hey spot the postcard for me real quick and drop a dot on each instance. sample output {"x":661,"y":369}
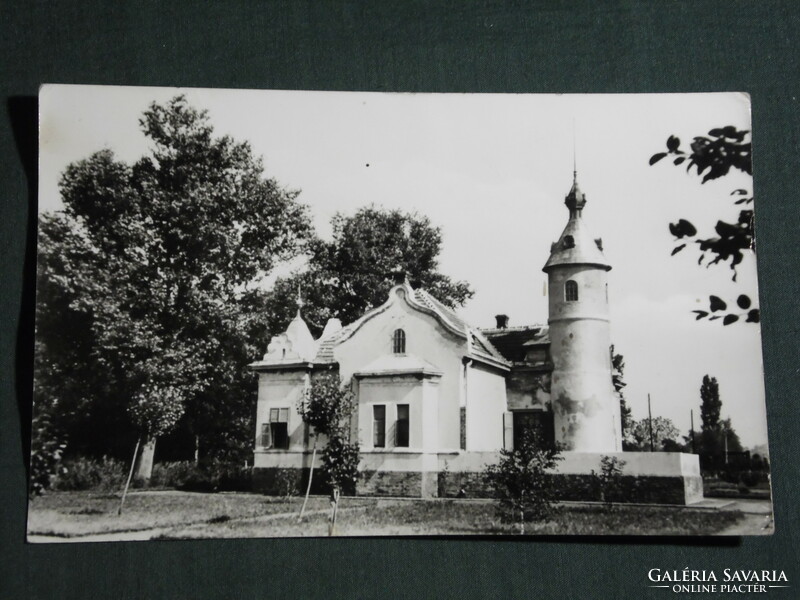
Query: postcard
{"x":266,"y":313}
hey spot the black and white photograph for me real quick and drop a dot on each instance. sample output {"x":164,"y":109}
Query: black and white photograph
{"x":266,"y":313}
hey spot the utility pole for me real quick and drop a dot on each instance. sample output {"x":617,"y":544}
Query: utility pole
{"x":726,"y":446}
{"x":691,"y":431}
{"x":650,"y":422}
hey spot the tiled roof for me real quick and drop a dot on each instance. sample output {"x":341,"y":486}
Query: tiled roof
{"x":512,"y":341}
{"x":480,"y":345}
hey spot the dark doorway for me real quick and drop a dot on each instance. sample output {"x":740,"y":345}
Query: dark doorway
{"x":539,"y":421}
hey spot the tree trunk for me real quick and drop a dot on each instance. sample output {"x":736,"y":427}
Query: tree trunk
{"x":197,"y":450}
{"x":334,"y":507}
{"x":310,"y":475}
{"x":144,"y":464}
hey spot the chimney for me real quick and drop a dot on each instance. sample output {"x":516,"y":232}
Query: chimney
{"x":502,"y":321}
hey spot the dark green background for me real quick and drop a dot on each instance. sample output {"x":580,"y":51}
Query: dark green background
{"x":404,"y":46}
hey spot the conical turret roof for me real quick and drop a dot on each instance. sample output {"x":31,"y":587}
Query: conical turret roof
{"x":576,"y":246}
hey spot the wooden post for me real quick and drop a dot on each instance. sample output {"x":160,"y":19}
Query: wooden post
{"x":130,"y":475}
{"x":310,"y":475}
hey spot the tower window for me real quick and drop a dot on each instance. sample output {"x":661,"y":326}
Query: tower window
{"x":571,"y":291}
{"x":399,"y":342}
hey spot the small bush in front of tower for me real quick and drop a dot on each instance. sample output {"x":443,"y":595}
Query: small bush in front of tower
{"x":521,"y":482}
{"x":608,"y":483}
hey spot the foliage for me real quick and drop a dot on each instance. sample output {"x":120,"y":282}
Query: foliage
{"x":520,"y":480}
{"x":155,"y":409}
{"x":714,"y":156}
{"x":148,"y":285}
{"x":608,"y":482}
{"x":664,"y":432}
{"x":340,"y":463}
{"x":287,"y":482}
{"x":83,"y":473}
{"x":47,"y":447}
{"x":173,"y":474}
{"x":710,"y":404}
{"x":214,"y":475}
{"x":351,"y":273}
{"x":617,"y":379}
{"x":328,"y":406}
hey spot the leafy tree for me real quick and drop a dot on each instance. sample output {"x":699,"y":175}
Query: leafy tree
{"x":664,"y":432}
{"x":153,"y":269}
{"x":520,"y":480}
{"x":328,"y":406}
{"x":714,"y":156}
{"x":617,"y":373}
{"x":351,"y":273}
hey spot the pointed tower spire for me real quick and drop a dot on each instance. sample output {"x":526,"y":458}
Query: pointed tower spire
{"x":575,"y":200}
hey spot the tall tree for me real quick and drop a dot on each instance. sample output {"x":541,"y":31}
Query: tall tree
{"x":710,"y":404}
{"x":153,"y":266}
{"x":351,"y":273}
{"x":716,"y":434}
{"x":626,"y":418}
{"x":714,"y":156}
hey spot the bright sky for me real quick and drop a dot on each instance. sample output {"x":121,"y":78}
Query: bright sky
{"x":492,"y":171}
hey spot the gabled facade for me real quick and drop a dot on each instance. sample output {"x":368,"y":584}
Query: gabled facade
{"x":426,"y":383}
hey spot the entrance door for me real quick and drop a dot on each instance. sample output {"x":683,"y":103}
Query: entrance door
{"x":538,"y":421}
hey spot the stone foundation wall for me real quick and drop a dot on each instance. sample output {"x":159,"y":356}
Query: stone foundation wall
{"x":410,"y":484}
{"x":638,"y":489}
{"x":284,"y":481}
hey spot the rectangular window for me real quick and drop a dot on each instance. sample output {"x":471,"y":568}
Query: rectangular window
{"x":379,"y":426}
{"x":401,"y":431}
{"x":279,"y":428}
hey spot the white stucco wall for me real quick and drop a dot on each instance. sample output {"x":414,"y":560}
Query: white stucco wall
{"x":486,"y":403}
{"x":426,"y":338}
{"x":585,"y":406}
{"x":281,"y":390}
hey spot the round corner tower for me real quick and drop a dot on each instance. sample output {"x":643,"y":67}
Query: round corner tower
{"x":585,"y":405}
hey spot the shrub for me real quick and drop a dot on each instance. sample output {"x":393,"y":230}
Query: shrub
{"x":520,"y":481}
{"x":46,"y":450}
{"x":172,"y":474}
{"x":608,"y":483}
{"x":287,"y":482}
{"x":217,"y":476}
{"x":82,"y":473}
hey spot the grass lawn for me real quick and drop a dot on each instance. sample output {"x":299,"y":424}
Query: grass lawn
{"x":470,"y":518}
{"x":68,"y":514}
{"x":181,"y":515}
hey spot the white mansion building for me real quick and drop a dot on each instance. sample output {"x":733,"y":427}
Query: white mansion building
{"x":437,"y":398}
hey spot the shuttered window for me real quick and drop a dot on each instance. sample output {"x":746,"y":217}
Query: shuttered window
{"x":275,"y":433}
